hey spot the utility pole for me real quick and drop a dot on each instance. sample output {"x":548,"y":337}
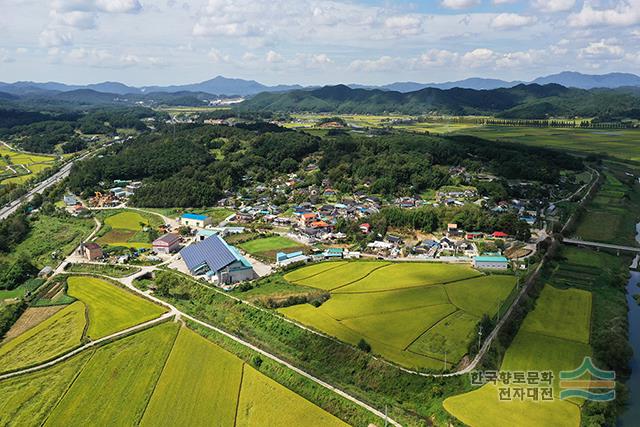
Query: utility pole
{"x":479,"y":338}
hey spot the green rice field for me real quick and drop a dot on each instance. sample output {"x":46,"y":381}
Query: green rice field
{"x":115,"y":385}
{"x":199,"y":368}
{"x":619,"y":143}
{"x":54,"y":336}
{"x":27,"y":165}
{"x":414,"y":314}
{"x":110,"y":307}
{"x":554,"y":336}
{"x":610,"y":217}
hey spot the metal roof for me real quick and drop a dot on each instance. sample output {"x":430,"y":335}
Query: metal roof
{"x":491,"y":259}
{"x":212,"y":251}
{"x":194,"y":216}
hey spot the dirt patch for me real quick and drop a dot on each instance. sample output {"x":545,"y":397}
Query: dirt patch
{"x":117,"y":236}
{"x":31,"y":317}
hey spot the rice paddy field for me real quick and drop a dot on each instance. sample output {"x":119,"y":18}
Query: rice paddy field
{"x":110,"y":307}
{"x":163,"y":375}
{"x":266,"y":248}
{"x":618,"y":143}
{"x":611,"y":215}
{"x":554,"y":336}
{"x":418,"y":315}
{"x":56,"y":335}
{"x":127,"y":228}
{"x":26,"y":164}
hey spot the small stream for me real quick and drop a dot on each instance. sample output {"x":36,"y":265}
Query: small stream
{"x":631,"y":415}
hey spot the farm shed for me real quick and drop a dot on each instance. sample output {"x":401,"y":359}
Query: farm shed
{"x":167,"y":243}
{"x":491,"y":262}
{"x":194,"y":220}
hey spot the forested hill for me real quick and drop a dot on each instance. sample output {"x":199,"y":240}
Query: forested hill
{"x":521,"y":101}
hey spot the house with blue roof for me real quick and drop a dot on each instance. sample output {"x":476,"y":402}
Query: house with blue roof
{"x":195,"y":220}
{"x":218,"y":261}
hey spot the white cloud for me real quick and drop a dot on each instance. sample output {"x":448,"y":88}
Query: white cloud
{"x":404,"y":25}
{"x":55,"y":38}
{"x":384,"y":63}
{"x":435,"y":58}
{"x":512,"y":20}
{"x":273,"y":57}
{"x":603,"y":50}
{"x":118,"y":6}
{"x":459,"y":4}
{"x":216,"y":56}
{"x":624,"y":14}
{"x":75,"y":18}
{"x":552,"y":6}
{"x":4,"y":56}
{"x":500,"y":2}
{"x":480,"y":57}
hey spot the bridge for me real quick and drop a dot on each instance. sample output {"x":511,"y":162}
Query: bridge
{"x":618,"y":248}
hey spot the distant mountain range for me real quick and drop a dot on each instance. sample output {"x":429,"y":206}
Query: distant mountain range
{"x":218,"y":86}
{"x":523,"y":101}
{"x":222,"y":86}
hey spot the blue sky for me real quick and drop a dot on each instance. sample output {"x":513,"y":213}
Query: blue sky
{"x":144,"y":42}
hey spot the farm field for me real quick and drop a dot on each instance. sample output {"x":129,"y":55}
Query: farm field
{"x":611,"y":216}
{"x":200,"y":369}
{"x":110,"y":307}
{"x":262,"y":400}
{"x":266,"y":247}
{"x":413,"y":314}
{"x":620,"y":143}
{"x":35,"y":163}
{"x":127,"y":228}
{"x":56,"y":335}
{"x":542,"y":343}
{"x":128,"y":367}
{"x":27,"y":400}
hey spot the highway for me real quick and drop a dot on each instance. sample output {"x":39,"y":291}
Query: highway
{"x":40,"y":187}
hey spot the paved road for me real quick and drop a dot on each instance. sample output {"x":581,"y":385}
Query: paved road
{"x":601,"y":245}
{"x":41,"y":186}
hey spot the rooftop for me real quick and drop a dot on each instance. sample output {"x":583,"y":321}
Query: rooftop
{"x":485,"y":258}
{"x":194,"y":216}
{"x":212,"y":251}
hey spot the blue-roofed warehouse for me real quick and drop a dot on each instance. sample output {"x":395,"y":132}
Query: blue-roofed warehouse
{"x":218,"y":261}
{"x":195,"y":220}
{"x":491,"y":262}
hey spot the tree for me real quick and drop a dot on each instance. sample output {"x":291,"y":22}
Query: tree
{"x":364,"y":345}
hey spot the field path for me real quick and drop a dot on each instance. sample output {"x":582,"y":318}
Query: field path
{"x":173,"y":311}
{"x":97,"y":342}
